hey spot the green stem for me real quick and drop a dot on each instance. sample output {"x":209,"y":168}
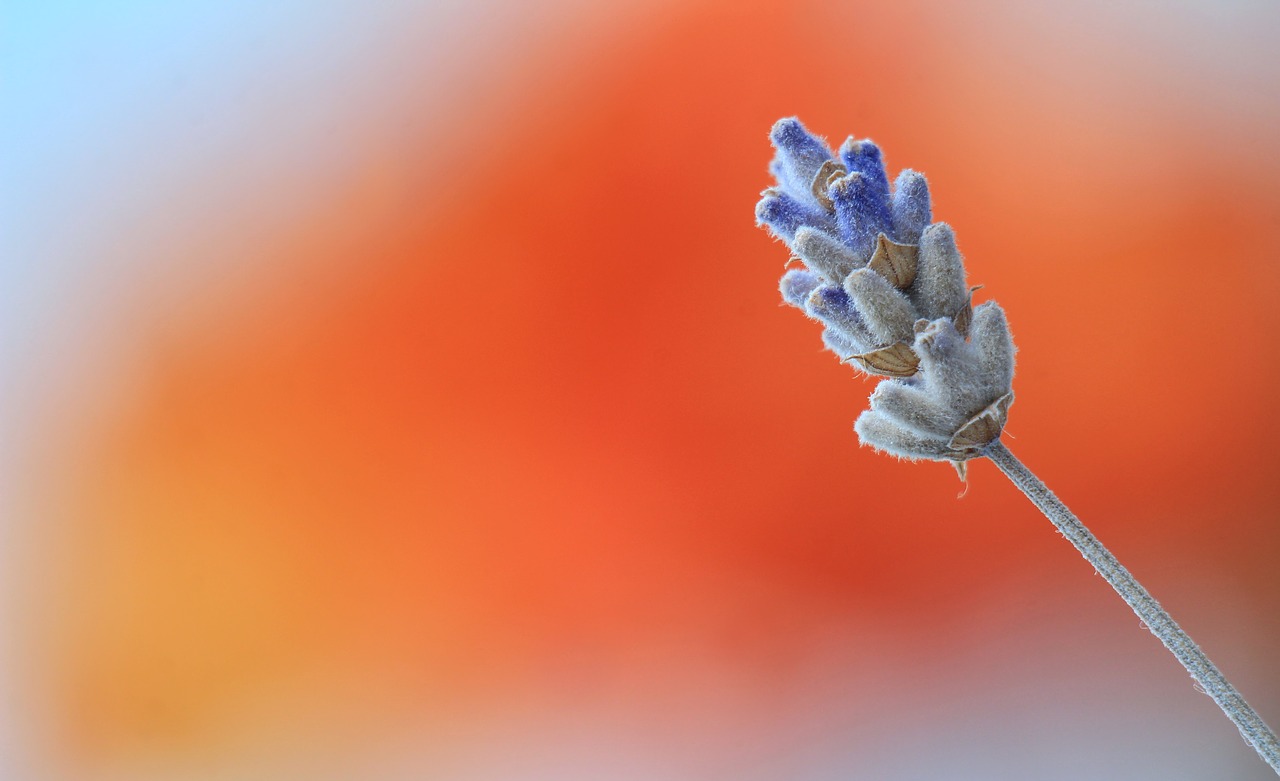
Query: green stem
{"x":1254,"y":730}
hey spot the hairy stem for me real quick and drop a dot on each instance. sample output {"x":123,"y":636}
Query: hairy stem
{"x":1251,"y":726}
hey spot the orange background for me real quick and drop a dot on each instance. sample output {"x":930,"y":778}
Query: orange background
{"x":459,"y":435}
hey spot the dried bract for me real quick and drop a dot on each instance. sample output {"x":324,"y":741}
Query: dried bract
{"x":896,"y":360}
{"x":895,"y":262}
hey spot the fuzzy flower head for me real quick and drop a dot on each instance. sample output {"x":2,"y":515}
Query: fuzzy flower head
{"x":889,"y":289}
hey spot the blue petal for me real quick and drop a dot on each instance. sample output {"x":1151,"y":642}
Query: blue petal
{"x":832,"y":306}
{"x":912,"y":211}
{"x":785,"y":215}
{"x":864,"y":157}
{"x":859,"y":215}
{"x":797,"y":284}
{"x":800,"y":155}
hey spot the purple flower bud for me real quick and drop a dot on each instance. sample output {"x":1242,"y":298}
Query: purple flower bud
{"x":910,"y":207}
{"x":859,"y":217}
{"x":797,"y":284}
{"x":863,"y":157}
{"x":800,"y":155}
{"x":785,"y":215}
{"x":832,"y":306}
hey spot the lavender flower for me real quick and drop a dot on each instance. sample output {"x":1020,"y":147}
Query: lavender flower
{"x":890,"y":291}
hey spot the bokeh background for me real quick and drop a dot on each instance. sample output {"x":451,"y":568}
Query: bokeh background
{"x":398,"y":391}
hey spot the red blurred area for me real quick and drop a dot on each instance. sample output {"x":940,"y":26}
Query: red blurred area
{"x":541,"y":423}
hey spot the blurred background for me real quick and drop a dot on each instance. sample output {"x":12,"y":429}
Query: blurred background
{"x":399,"y":390}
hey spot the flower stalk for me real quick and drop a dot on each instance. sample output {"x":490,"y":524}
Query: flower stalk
{"x":1211,"y":680}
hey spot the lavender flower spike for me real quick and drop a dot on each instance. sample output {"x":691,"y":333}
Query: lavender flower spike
{"x":889,"y":288}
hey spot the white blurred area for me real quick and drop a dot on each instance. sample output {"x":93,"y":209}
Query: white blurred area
{"x":1055,"y":703}
{"x":1067,"y":695}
